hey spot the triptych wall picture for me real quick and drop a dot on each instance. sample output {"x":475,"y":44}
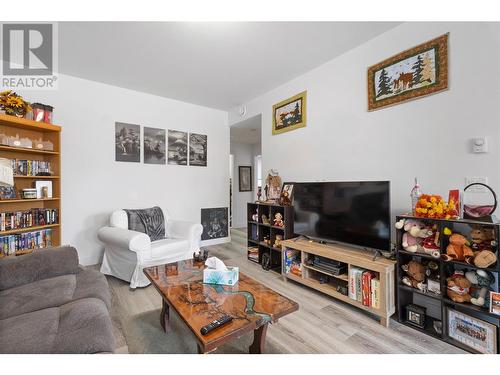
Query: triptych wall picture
{"x":160,"y":146}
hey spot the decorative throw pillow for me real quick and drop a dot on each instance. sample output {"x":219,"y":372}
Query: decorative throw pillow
{"x":149,"y":221}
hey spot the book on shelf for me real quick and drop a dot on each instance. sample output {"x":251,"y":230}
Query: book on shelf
{"x":293,"y":262}
{"x":364,"y":286}
{"x":31,"y":167}
{"x":14,"y":243}
{"x":375,"y":293}
{"x":29,"y":218}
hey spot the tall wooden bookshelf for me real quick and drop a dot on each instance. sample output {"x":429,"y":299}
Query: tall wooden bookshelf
{"x":12,"y":126}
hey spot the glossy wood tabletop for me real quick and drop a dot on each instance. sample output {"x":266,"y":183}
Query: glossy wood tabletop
{"x":250,"y":303}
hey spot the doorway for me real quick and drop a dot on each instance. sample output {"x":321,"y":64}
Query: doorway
{"x":245,"y":151}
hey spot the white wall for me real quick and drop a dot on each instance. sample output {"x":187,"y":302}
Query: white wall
{"x":244,"y":155}
{"x":93,"y":184}
{"x":428,"y":137}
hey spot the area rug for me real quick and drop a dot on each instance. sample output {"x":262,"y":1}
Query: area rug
{"x":144,"y":335}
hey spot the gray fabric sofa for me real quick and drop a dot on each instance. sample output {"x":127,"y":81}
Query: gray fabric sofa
{"x":48,"y":304}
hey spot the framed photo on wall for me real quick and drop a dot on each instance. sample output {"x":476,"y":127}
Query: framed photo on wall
{"x":198,"y":149}
{"x":472,"y":332}
{"x":154,"y":146}
{"x":290,"y":114}
{"x":127,"y":142}
{"x":245,"y":178}
{"x":416,"y":72}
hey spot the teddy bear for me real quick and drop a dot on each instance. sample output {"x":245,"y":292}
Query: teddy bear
{"x":418,"y":237}
{"x":415,"y":275}
{"x":483,"y":243}
{"x":458,"y":249}
{"x":479,"y":291}
{"x":278,"y":220}
{"x":457,"y":287}
{"x":277,"y":241}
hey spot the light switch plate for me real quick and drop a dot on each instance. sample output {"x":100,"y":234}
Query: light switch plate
{"x":476,"y":188}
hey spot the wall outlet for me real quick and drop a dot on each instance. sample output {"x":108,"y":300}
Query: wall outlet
{"x":476,"y":188}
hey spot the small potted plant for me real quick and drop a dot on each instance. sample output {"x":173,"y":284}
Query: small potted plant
{"x":13,"y":104}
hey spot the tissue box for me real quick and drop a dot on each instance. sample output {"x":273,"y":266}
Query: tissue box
{"x":228,"y":277}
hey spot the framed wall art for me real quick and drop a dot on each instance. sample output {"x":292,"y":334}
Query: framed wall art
{"x":127,"y":142}
{"x":154,"y":146}
{"x":245,"y":177}
{"x":290,"y":114}
{"x":177,"y":147}
{"x":198,"y":149}
{"x":472,"y":332}
{"x":417,"y":72}
{"x":214,"y":222}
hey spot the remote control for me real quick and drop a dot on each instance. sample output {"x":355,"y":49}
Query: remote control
{"x":215,"y":324}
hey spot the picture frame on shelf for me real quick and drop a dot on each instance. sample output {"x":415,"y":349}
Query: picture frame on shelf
{"x":472,"y":332}
{"x":40,"y":185}
{"x":290,"y":114}
{"x":494,"y":303}
{"x":415,"y":315}
{"x":411,"y":74}
{"x":8,"y":192}
{"x":245,"y":178}
{"x":286,"y":197}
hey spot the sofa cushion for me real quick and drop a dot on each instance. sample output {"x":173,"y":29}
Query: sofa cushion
{"x":39,"y":295}
{"x":147,"y":220}
{"x":92,"y":283}
{"x":53,"y":292}
{"x":81,"y":326}
{"x":169,"y":248}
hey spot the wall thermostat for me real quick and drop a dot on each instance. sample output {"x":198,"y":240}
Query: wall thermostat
{"x":479,"y":145}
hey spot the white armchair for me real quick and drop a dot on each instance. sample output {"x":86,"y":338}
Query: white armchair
{"x":127,"y":252}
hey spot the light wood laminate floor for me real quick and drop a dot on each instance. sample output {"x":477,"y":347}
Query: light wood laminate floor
{"x":322,"y":324}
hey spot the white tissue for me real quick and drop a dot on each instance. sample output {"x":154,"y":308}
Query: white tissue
{"x":216,"y":264}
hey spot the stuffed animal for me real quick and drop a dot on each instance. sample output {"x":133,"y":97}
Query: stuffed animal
{"x":479,"y":291}
{"x":415,"y":272}
{"x":413,"y":235}
{"x":458,"y":287}
{"x":255,"y":216}
{"x":483,"y":243}
{"x":265,"y":220}
{"x":278,"y":220}
{"x":458,"y":249}
{"x":419,"y":238}
{"x":277,"y":241}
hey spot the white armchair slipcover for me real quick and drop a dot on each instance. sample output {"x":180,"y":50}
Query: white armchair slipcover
{"x":127,"y":252}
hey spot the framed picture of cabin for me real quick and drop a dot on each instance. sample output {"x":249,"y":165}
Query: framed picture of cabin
{"x":411,"y":74}
{"x":290,"y":114}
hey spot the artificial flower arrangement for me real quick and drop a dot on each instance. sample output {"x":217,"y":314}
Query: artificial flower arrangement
{"x":434,"y":207}
{"x":13,"y":104}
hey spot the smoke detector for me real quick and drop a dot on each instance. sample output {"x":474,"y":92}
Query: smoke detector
{"x":242,"y":110}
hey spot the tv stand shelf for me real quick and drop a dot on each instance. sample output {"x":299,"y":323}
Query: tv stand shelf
{"x":383,"y":267}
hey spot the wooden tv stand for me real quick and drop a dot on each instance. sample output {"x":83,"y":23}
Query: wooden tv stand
{"x":354,"y":258}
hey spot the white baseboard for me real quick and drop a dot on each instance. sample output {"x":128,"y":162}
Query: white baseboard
{"x":216,"y":241}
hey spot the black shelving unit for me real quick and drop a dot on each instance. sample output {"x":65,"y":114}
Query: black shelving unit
{"x":438,"y":305}
{"x":257,"y":231}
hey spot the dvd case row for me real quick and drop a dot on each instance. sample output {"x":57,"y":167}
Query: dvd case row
{"x":30,"y":218}
{"x":31,"y":167}
{"x":26,"y":241}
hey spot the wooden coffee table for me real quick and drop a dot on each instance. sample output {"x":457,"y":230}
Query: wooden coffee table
{"x":252,"y":305}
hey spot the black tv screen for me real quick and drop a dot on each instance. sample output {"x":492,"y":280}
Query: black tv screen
{"x":355,"y":213}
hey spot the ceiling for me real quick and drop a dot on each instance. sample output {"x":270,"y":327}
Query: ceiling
{"x":247,"y":131}
{"x":218,"y":65}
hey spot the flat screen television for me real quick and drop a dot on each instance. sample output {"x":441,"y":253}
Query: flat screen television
{"x":354,"y":213}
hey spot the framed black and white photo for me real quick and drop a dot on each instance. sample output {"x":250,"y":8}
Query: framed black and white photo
{"x":197,"y":150}
{"x":127,"y":142}
{"x":214,"y":222}
{"x":177,"y":147}
{"x":154,"y":146}
{"x":245,"y":177}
